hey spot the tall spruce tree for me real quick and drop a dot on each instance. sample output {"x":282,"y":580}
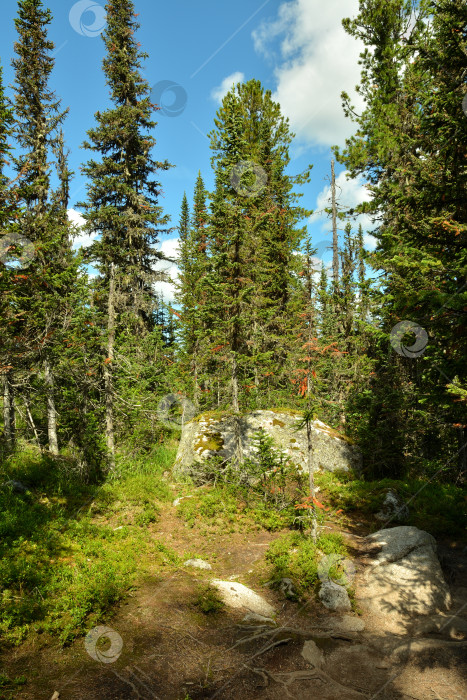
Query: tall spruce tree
{"x":410,"y":144}
{"x":51,"y":273}
{"x":253,"y":235}
{"x":7,"y":226}
{"x":193,"y":262}
{"x":122,"y":205}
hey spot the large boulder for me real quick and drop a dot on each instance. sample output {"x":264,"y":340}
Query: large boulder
{"x":405,"y":577}
{"x":225,"y":434}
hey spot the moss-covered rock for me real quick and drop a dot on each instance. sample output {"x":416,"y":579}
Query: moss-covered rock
{"x":225,"y":434}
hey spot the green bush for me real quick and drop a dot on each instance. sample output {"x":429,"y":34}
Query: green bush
{"x":296,"y":557}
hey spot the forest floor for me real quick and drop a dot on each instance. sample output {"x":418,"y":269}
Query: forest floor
{"x":174,"y":651}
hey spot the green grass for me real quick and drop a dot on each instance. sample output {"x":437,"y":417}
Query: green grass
{"x":437,"y":507}
{"x":296,"y":556}
{"x":69,"y":551}
{"x":208,"y":600}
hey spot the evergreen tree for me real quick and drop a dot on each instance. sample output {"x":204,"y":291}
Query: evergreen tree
{"x":122,"y":205}
{"x":253,"y":236}
{"x":410,"y":144}
{"x":7,"y":218}
{"x":51,"y":274}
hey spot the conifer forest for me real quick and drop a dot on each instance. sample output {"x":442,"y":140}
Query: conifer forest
{"x":100,"y":372}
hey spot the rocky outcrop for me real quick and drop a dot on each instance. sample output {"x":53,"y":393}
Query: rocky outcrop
{"x":225,"y":435}
{"x":405,"y":578}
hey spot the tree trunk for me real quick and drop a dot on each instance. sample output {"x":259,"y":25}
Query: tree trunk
{"x":235,"y":406}
{"x":195,"y":376}
{"x":8,"y":411}
{"x":311,"y":473}
{"x":335,"y":253}
{"x":462,"y":454}
{"x":109,"y":402}
{"x":51,"y":410}
{"x":31,"y":421}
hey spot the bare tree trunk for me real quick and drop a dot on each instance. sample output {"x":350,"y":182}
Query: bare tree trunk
{"x":109,"y":402}
{"x":311,"y":473}
{"x":238,"y":441}
{"x":235,"y":406}
{"x":51,"y":410}
{"x":8,"y":411}
{"x":195,"y":376}
{"x":335,"y":252}
{"x":31,"y":421}
{"x":462,"y":454}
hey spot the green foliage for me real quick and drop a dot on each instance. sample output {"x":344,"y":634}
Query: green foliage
{"x":435,"y":506}
{"x":296,"y":557}
{"x":208,"y":600}
{"x":68,"y":550}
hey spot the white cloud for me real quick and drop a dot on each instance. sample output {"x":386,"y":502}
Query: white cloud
{"x":318,"y":60}
{"x":171,"y":250}
{"x":80,"y":239}
{"x":349,"y":193}
{"x":219,"y":92}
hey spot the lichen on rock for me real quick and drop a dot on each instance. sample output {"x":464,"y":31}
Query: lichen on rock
{"x":227,"y":435}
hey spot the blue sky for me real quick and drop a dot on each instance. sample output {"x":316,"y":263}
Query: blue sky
{"x":297,"y":49}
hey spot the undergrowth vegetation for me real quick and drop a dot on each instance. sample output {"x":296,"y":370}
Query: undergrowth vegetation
{"x":296,"y":557}
{"x":69,"y":551}
{"x":435,"y":506}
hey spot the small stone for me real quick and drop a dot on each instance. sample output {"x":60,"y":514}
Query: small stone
{"x":178,"y":500}
{"x":287,"y":588}
{"x":334,"y":597}
{"x":236,"y":595}
{"x":393,"y":508}
{"x":15,"y":486}
{"x":198,"y":564}
{"x":312,"y":653}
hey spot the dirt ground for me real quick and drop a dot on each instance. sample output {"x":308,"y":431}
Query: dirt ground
{"x":171,"y":651}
